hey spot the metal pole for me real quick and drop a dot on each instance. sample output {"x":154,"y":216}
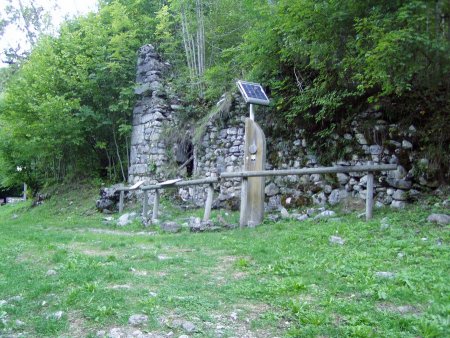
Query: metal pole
{"x":252,"y":112}
{"x":24,"y":191}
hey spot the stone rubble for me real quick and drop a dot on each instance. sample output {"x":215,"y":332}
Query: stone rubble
{"x":220,"y":148}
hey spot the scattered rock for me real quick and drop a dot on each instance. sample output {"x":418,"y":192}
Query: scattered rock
{"x":101,"y":333}
{"x":188,"y":327}
{"x":16,"y":299}
{"x":127,"y":332}
{"x":319,"y":198}
{"x":336,"y":196}
{"x":398,"y":204}
{"x":406,"y":145}
{"x":273,"y":217}
{"x":51,"y":272}
{"x":56,"y":315}
{"x":284,"y":213}
{"x":342,"y":178}
{"x":361,"y":139}
{"x":118,"y":287}
{"x":137,"y":319}
{"x":441,"y":219}
{"x":337,"y":240}
{"x":398,"y":174}
{"x":19,"y":323}
{"x":171,"y":227}
{"x":271,"y":189}
{"x":126,"y":219}
{"x":325,"y":214}
{"x":385,"y":274}
{"x":15,"y":216}
{"x":3,"y":302}
{"x":400,"y":195}
{"x":310,"y":211}
{"x":301,"y":218}
{"x":385,"y":224}
{"x":399,"y":184}
{"x":109,"y":197}
{"x":197,"y":225}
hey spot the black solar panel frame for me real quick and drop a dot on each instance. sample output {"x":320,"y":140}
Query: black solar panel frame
{"x":247,"y":96}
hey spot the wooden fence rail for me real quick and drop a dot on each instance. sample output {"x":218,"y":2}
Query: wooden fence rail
{"x":174,"y":184}
{"x":309,"y":171}
{"x":370,"y":168}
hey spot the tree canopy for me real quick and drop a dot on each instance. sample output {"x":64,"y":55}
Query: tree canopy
{"x":66,"y":111}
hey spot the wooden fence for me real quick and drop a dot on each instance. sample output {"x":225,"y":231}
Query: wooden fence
{"x":370,"y":168}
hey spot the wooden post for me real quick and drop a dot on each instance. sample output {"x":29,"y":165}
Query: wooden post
{"x":24,"y":191}
{"x":208,"y":204}
{"x":145,"y":205}
{"x":155,"y":205}
{"x":244,"y":192}
{"x":122,"y":196}
{"x":369,"y":194}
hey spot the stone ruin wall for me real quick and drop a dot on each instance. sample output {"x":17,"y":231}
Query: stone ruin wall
{"x":153,"y":110}
{"x":222,"y":147}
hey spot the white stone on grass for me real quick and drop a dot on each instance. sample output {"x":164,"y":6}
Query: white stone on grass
{"x":385,"y":274}
{"x":137,"y":319}
{"x":126,"y":219}
{"x":325,"y":214}
{"x":337,"y":240}
{"x":284,"y":213}
{"x":441,"y":219}
{"x":51,"y":272}
{"x":188,"y":326}
{"x":56,"y":315}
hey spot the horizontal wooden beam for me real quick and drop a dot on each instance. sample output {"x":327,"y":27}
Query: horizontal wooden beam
{"x":201,"y":181}
{"x":309,"y":171}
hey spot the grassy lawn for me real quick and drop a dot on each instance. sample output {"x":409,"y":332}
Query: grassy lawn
{"x":64,"y":273}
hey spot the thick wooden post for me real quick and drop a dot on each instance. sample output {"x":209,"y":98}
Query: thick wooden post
{"x":156,"y":205}
{"x":208,"y":203}
{"x":254,"y":160}
{"x":369,"y":194}
{"x":121,"y":198}
{"x":145,"y":205}
{"x":243,"y":217}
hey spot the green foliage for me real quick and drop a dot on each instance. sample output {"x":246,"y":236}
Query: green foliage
{"x":67,"y":110}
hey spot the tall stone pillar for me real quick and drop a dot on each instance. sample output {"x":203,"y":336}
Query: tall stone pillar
{"x":252,"y":192}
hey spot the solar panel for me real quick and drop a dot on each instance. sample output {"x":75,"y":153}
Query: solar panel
{"x":253,"y":93}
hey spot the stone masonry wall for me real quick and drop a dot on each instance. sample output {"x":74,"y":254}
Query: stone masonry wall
{"x":152,"y":111}
{"x":368,"y":138}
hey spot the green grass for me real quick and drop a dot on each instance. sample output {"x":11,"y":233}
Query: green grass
{"x":280,"y":279}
